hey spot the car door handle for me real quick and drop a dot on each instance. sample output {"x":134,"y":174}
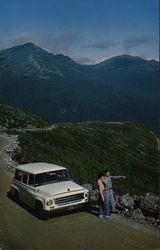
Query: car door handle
{"x":27,"y":191}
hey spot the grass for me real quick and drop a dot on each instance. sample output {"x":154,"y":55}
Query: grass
{"x":13,"y":118}
{"x":88,"y":148}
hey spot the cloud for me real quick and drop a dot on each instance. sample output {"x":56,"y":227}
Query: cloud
{"x":26,"y":37}
{"x":100,"y":44}
{"x":56,"y":42}
{"x":85,"y":60}
{"x":63,"y":42}
{"x":137,"y":41}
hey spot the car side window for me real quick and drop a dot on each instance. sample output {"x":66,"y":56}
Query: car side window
{"x":18,"y":175}
{"x":31,"y":180}
{"x":25,"y":178}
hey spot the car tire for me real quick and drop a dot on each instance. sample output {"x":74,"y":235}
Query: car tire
{"x":39,"y":209}
{"x":17,"y":196}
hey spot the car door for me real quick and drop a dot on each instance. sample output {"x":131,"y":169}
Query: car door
{"x":27,"y":191}
{"x":30,"y":192}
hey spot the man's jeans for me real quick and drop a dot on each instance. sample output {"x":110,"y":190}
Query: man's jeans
{"x":105,"y":204}
{"x":110,"y":198}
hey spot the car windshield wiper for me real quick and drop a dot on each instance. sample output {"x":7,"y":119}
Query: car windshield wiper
{"x":49,"y":182}
{"x":46,"y":183}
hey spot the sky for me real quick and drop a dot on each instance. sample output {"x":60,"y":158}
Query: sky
{"x":88,"y":31}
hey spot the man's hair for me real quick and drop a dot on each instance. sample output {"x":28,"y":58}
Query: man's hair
{"x":106,"y":170}
{"x":99,"y":175}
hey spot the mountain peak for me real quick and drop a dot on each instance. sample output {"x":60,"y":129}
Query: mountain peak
{"x":23,"y":48}
{"x":126,"y":60}
{"x":28,"y":44}
{"x":123,"y":57}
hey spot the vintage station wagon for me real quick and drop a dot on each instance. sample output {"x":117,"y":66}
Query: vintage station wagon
{"x":47,"y":187}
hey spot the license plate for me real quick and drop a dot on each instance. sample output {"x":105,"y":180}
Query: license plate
{"x":70,"y":208}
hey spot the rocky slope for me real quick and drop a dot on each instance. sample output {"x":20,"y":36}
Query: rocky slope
{"x":19,"y":119}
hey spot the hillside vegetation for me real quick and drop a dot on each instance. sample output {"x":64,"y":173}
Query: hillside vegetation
{"x":87,"y":148}
{"x":13,"y":118}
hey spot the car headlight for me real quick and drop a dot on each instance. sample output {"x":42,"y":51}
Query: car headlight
{"x":86,"y":195}
{"x":49,"y":202}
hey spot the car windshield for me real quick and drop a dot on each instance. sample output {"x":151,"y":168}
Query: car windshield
{"x":50,"y":177}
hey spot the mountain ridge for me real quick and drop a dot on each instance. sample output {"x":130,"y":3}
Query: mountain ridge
{"x":120,"y":88}
{"x":32,"y":45}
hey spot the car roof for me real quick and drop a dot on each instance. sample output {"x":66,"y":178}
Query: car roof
{"x":39,"y":167}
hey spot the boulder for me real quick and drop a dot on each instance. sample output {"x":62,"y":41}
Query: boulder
{"x":136,"y":201}
{"x":88,"y":186}
{"x":150,"y":203}
{"x":137,"y":214}
{"x":127,"y":212}
{"x":94,"y":196}
{"x":126,"y":201}
{"x":150,"y":220}
{"x":118,"y":205}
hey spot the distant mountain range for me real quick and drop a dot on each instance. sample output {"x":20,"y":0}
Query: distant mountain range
{"x":59,"y":89}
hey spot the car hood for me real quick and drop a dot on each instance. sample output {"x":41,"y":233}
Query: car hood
{"x":60,"y":188}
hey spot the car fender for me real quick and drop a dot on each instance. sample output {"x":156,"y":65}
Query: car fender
{"x":13,"y":189}
{"x":40,"y":200}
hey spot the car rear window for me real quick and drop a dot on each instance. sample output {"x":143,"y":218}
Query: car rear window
{"x":18,"y":175}
{"x":31,"y":180}
{"x":25,"y":178}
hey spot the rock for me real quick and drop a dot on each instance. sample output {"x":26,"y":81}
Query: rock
{"x":158,"y":223}
{"x":136,"y":201}
{"x":150,"y":202}
{"x":127,"y":201}
{"x":94,"y":196}
{"x":118,"y":205}
{"x":137,"y":215}
{"x":127,"y":212}
{"x":150,"y":220}
{"x":88,"y":186}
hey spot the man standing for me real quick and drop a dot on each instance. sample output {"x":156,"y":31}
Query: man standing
{"x":102,"y":198}
{"x":107,"y":181}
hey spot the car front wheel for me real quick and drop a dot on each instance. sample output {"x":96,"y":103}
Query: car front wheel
{"x":39,"y":208}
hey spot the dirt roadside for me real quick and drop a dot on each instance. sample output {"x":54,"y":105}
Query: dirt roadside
{"x":21,"y":229}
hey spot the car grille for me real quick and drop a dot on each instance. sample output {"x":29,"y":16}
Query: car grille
{"x":69,"y":199}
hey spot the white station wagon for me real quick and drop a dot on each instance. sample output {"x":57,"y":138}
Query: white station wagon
{"x":47,"y":187}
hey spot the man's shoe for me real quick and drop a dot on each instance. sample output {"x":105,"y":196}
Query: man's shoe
{"x":100,"y":216}
{"x":107,"y":217}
